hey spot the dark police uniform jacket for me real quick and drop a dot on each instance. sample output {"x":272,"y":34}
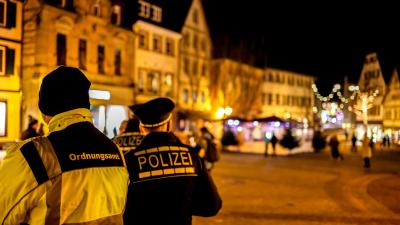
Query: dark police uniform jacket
{"x":169,"y":184}
{"x":128,"y":141}
{"x":75,"y":175}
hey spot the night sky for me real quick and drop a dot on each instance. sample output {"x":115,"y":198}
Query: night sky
{"x":328,"y":41}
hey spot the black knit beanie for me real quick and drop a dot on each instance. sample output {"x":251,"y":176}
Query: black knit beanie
{"x":63,"y":89}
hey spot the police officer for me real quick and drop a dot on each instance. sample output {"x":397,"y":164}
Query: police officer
{"x":168,"y":182}
{"x":75,"y":175}
{"x":131,"y":137}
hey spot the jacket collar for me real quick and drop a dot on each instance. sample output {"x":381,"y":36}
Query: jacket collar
{"x":63,"y":120}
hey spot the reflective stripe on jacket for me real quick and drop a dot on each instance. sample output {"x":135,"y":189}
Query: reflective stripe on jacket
{"x":75,"y":175}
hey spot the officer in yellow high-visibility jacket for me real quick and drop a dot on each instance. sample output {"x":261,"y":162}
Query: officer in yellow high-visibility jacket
{"x":74,"y":175}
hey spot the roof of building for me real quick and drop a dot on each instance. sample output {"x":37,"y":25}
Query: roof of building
{"x":174,"y":13}
{"x":173,"y":16}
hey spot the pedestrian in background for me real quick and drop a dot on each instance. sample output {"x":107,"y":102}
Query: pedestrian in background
{"x":75,"y":174}
{"x":354,"y":143}
{"x":334,"y":144}
{"x":31,"y":131}
{"x":208,"y":148}
{"x":366,"y":152}
{"x":274,"y":140}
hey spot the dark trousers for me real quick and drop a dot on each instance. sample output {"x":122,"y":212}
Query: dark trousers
{"x":367,"y":163}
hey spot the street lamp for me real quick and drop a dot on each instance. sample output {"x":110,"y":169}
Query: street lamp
{"x":222,"y":112}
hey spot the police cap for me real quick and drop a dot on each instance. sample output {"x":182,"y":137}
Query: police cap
{"x":155,"y":113}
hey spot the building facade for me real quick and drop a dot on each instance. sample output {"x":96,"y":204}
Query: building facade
{"x":391,"y":118}
{"x":84,"y":34}
{"x":156,"y":53}
{"x":194,"y":102}
{"x":371,"y":80}
{"x":11,"y":16}
{"x":287,"y":95}
{"x":237,"y":86}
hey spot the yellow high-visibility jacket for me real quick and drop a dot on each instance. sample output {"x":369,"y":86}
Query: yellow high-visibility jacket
{"x":75,"y":176}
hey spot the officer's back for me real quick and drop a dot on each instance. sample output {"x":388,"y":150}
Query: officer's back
{"x":168,"y":182}
{"x":75,"y":175}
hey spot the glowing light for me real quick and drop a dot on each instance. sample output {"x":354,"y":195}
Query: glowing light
{"x":101,"y":95}
{"x":268,"y":135}
{"x":236,"y":122}
{"x":315,"y":109}
{"x":277,"y":124}
{"x":228,"y":111}
{"x":333,"y":120}
{"x":240,"y":129}
{"x":255,"y":123}
{"x":230,"y":122}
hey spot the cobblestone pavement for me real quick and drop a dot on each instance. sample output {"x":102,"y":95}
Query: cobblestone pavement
{"x":307,"y":189}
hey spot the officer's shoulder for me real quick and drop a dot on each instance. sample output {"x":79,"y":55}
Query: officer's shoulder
{"x":18,"y":145}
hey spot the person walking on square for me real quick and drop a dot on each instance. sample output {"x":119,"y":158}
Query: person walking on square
{"x":334,"y":143}
{"x":354,"y":143}
{"x":366,"y":152}
{"x":75,"y":174}
{"x":274,"y":140}
{"x":168,"y":182}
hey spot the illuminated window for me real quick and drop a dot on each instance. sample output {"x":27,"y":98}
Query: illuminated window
{"x":143,"y":40}
{"x":100,"y":59}
{"x":169,"y":47}
{"x":167,"y":84}
{"x":168,"y":79}
{"x":116,"y":15}
{"x":185,"y":96}
{"x":153,"y":82}
{"x":61,"y":49}
{"x":144,"y":9}
{"x":194,"y":96}
{"x":82,"y":54}
{"x":3,"y":118}
{"x":117,"y":61}
{"x":140,"y":84}
{"x":157,"y":43}
{"x":157,"y":13}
